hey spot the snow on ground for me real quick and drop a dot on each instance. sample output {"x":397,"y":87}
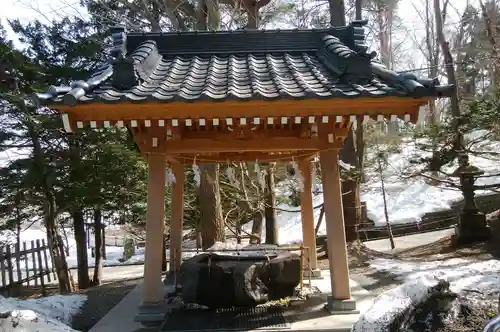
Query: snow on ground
{"x":386,"y":307}
{"x":51,"y":313}
{"x":114,"y":254}
{"x":408,"y":199}
{"x":464,"y":276}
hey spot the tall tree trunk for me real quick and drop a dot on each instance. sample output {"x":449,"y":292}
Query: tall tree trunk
{"x":55,"y":243}
{"x":360,"y":152}
{"x":386,"y":213}
{"x":358,"y":9}
{"x":99,"y":246}
{"x":81,"y":248}
{"x":19,"y":221}
{"x":433,"y":55}
{"x":269,"y":209}
{"x":337,"y":12}
{"x":54,"y":240}
{"x":199,"y":240}
{"x":238,"y":230}
{"x":350,"y":188}
{"x":349,"y":153}
{"x":320,"y":219}
{"x":491,"y":29}
{"x":253,"y":16}
{"x":351,"y":208}
{"x":256,"y":237}
{"x":380,"y":169}
{"x":164,"y":253}
{"x":212,"y":221}
{"x":450,"y":73}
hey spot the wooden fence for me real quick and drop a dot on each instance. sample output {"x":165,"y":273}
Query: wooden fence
{"x":27,"y":264}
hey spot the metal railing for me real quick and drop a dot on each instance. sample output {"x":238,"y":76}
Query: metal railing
{"x":493,"y":325}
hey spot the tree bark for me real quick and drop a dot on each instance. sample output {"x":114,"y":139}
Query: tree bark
{"x":450,"y":73}
{"x":81,"y":249}
{"x":164,"y":253}
{"x":18,"y":221}
{"x":256,"y":237}
{"x":199,"y":240}
{"x":358,"y":11}
{"x":384,"y":197}
{"x":337,"y":13}
{"x":350,"y":152}
{"x":351,"y":201}
{"x":320,"y":219}
{"x":54,"y":241}
{"x":212,"y":221}
{"x":99,"y":244}
{"x":269,"y":209}
{"x":350,"y":197}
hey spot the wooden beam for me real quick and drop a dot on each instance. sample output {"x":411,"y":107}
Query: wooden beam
{"x":242,"y":157}
{"x":241,"y":133}
{"x":256,"y":145}
{"x":235,"y":109}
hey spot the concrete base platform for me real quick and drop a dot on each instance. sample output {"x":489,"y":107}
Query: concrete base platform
{"x":313,"y":274}
{"x":340,"y":307}
{"x":151,"y":314}
{"x":306,"y":315}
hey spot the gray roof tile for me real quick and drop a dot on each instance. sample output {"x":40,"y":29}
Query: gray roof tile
{"x":218,"y":66}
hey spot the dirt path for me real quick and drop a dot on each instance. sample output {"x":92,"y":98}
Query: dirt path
{"x":100,"y":300}
{"x":408,"y":241}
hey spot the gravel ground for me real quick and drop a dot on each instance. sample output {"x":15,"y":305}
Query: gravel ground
{"x":100,"y":300}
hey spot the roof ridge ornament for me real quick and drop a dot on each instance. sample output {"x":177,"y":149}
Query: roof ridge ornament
{"x":124,"y":75}
{"x":350,"y":65}
{"x":359,"y":38}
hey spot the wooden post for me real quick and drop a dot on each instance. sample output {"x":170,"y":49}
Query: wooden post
{"x":10,"y":269}
{"x":45,"y":259}
{"x":340,"y":299}
{"x":42,"y":268}
{"x":25,"y":256}
{"x":307,"y":213}
{"x":18,"y":262}
{"x":176,"y":223}
{"x":3,"y":269}
{"x":152,"y":291}
{"x":33,"y":260}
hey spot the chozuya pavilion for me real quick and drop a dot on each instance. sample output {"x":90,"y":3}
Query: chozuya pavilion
{"x":243,"y":95}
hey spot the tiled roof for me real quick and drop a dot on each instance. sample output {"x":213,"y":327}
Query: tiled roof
{"x":242,"y":65}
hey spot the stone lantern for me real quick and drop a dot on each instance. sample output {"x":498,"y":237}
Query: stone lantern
{"x":472,"y":226}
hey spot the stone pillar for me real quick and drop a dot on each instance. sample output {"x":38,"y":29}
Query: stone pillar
{"x":152,"y":309}
{"x":340,"y":300}
{"x":176,"y":223}
{"x":307,"y":214}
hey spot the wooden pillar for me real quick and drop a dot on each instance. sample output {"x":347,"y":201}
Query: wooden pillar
{"x":155,"y":216}
{"x":176,"y":223}
{"x":307,"y":214}
{"x":340,"y":299}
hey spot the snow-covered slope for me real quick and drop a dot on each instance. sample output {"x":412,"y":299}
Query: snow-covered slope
{"x":409,"y":198}
{"x":46,"y":314}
